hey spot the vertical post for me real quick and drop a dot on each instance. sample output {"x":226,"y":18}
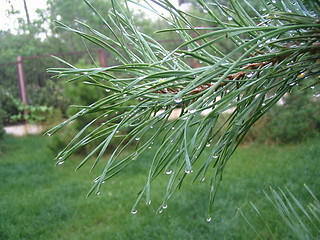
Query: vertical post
{"x":102,"y":58}
{"x":22,"y":86}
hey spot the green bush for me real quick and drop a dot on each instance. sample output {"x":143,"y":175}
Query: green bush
{"x":1,"y":124}
{"x":77,"y":94}
{"x":296,"y":119}
{"x":8,"y":105}
{"x":49,"y":95}
{"x":14,"y":111}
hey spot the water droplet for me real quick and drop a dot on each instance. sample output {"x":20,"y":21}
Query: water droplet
{"x":168,"y":172}
{"x":317,"y":95}
{"x":188,"y":171}
{"x":268,"y":41}
{"x":264,"y":9}
{"x":177,"y":100}
{"x":171,"y":140}
{"x":260,"y":45}
{"x":117,"y":131}
{"x":165,"y":206}
{"x":107,"y":90}
{"x":208,"y":145}
{"x":172,"y":128}
{"x":98,"y":193}
{"x":230,"y":18}
{"x":149,"y":147}
{"x":124,"y":95}
{"x":289,"y":11}
{"x":208,"y":219}
{"x":49,"y":134}
{"x":292,"y":84}
{"x":250,"y":75}
{"x":137,"y":138}
{"x":274,"y":1}
{"x":60,"y":163}
{"x":312,"y":87}
{"x":302,"y":74}
{"x":202,"y":179}
{"x":215,"y":156}
{"x":106,"y":115}
{"x":148,"y":203}
{"x":160,"y":211}
{"x":192,"y":111}
{"x":151,"y":126}
{"x":134,"y":212}
{"x":96,"y":179}
{"x":205,"y":10}
{"x":59,"y":158}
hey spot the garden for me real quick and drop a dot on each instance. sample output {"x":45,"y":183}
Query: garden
{"x":200,"y":123}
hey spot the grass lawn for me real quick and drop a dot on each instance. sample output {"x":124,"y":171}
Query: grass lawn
{"x":39,"y":201}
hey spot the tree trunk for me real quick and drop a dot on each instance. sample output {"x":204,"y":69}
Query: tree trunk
{"x":27,"y":13}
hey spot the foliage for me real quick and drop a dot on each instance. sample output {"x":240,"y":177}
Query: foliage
{"x":50,"y":95}
{"x":2,"y":132}
{"x":31,"y":113}
{"x":8,"y":105}
{"x":80,"y":94}
{"x":302,"y":220}
{"x":297,"y":119}
{"x":273,"y":49}
{"x":13,"y":45}
{"x":294,"y":120}
{"x":13,"y":110}
{"x":41,"y":38}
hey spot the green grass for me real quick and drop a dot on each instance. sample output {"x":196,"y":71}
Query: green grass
{"x":40,"y":201}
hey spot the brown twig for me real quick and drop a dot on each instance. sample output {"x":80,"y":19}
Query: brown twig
{"x":237,"y":75}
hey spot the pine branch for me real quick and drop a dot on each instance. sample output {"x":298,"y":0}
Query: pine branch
{"x":270,"y":54}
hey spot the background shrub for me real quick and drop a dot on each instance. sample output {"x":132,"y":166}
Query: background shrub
{"x":1,"y":124}
{"x":294,"y":120}
{"x":15,"y":111}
